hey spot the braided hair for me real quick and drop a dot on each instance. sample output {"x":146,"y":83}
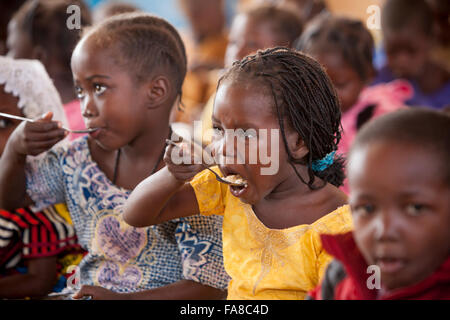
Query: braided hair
{"x":345,"y":36}
{"x":145,"y":43}
{"x":304,"y":101}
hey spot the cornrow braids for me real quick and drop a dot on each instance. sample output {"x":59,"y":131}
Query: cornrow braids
{"x":145,"y":43}
{"x":346,"y":36}
{"x":304,"y":101}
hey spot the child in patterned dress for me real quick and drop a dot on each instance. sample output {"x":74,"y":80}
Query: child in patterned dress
{"x":128,"y":72}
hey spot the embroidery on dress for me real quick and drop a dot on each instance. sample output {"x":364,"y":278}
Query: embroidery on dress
{"x":270,"y":244}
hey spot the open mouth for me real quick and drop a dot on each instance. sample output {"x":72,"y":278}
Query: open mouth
{"x":389,"y":264}
{"x":240,"y":184}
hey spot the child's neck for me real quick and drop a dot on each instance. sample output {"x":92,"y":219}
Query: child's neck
{"x":293,"y":203}
{"x":136,"y":160}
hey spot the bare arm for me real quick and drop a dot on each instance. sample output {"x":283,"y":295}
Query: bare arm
{"x":180,"y":290}
{"x":29,"y":138}
{"x":37,"y":282}
{"x":163,"y":196}
{"x":12,"y":179}
{"x":160,"y":198}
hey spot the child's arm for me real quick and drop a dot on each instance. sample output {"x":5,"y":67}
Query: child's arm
{"x":38,"y":281}
{"x":29,"y":138}
{"x":164,"y":195}
{"x":180,"y":290}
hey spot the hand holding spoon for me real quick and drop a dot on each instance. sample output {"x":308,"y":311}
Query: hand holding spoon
{"x":7,"y":115}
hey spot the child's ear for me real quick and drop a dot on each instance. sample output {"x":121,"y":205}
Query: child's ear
{"x":158,"y":91}
{"x":297,"y":146}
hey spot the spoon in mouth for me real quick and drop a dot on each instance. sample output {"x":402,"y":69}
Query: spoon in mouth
{"x":7,"y":115}
{"x":218,"y":177}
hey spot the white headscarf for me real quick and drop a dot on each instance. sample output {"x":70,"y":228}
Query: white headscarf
{"x":28,"y":80}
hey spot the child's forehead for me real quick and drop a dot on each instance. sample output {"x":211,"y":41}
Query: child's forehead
{"x":242,"y":98}
{"x":397,"y":163}
{"x":408,"y":33}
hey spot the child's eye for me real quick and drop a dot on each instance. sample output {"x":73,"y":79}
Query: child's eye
{"x":363,"y":210}
{"x":79,"y":92}
{"x":99,"y":89}
{"x":415,"y":209}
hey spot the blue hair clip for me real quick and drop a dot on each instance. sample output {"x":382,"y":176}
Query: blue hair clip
{"x":325,"y":162}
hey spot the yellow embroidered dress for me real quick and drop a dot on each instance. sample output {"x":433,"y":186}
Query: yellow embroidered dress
{"x":267,"y":263}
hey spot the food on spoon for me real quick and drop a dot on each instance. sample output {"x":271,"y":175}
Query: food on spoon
{"x":236,"y":179}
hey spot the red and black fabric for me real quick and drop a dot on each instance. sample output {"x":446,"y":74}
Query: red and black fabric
{"x":346,"y":277}
{"x":25,"y":234}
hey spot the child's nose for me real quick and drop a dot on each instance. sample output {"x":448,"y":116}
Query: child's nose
{"x":386,"y":226}
{"x":88,"y":108}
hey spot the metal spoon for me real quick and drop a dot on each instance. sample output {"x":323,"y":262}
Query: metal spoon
{"x":218,"y":177}
{"x":7,"y":115}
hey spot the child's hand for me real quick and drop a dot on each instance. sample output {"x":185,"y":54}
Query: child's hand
{"x":33,"y":138}
{"x":180,"y":161}
{"x":97,"y":293}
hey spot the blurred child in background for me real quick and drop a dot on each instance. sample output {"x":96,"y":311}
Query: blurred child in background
{"x":110,"y":8}
{"x":407,"y":27}
{"x":344,"y":47}
{"x":35,"y":247}
{"x":39,"y":31}
{"x":205,"y":48}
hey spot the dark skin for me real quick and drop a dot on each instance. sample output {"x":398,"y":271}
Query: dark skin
{"x":345,"y":79}
{"x":237,"y":106}
{"x":41,"y":275}
{"x":408,"y":56}
{"x":131,"y":117}
{"x":248,"y":35}
{"x":37,"y":282}
{"x":401,"y":223}
{"x":205,"y":17}
{"x":20,"y":46}
{"x":8,"y":104}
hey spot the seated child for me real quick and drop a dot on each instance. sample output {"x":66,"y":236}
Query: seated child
{"x":108,"y":9}
{"x":399,"y":173}
{"x":206,"y":43}
{"x":35,"y":247}
{"x":344,"y":47}
{"x":272,"y":222}
{"x":38,"y":30}
{"x":128,"y":72}
{"x":407,"y":29}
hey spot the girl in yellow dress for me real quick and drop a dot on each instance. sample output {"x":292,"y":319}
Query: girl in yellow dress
{"x":272,"y":222}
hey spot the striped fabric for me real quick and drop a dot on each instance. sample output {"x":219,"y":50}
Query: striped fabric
{"x":25,"y":234}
